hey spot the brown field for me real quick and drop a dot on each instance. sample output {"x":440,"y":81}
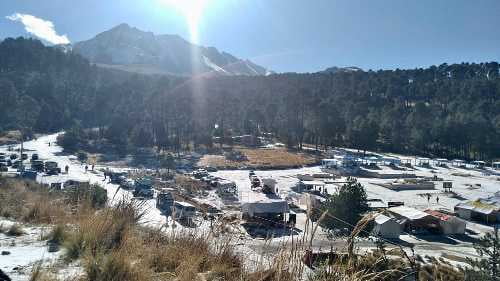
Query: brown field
{"x":9,"y":137}
{"x":260,"y":158}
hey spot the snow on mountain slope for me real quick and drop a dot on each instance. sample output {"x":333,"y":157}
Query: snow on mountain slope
{"x":124,"y":46}
{"x":213,"y":66}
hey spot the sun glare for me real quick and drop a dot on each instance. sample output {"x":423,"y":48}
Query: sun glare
{"x":192,"y":11}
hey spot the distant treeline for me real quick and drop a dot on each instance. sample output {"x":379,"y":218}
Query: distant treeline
{"x":446,"y":110}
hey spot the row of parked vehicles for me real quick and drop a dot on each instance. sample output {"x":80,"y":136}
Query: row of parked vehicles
{"x":141,"y":188}
{"x":36,"y":165}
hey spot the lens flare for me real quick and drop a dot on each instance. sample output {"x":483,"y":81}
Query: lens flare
{"x":192,"y":11}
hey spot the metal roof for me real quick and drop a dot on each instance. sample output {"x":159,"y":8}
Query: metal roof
{"x":410,"y":213}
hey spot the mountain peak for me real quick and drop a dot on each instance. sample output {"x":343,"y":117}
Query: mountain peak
{"x":132,"y":49}
{"x":122,"y":26}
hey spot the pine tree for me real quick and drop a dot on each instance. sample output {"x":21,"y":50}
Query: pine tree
{"x":488,"y":267}
{"x":346,"y":206}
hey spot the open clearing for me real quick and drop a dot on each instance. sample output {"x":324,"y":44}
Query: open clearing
{"x":260,"y":158}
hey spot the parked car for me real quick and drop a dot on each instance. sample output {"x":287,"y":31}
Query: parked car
{"x":143,"y":187}
{"x":51,"y":168}
{"x":38,"y":165}
{"x":211,"y":169}
{"x":127,"y":184}
{"x":34,"y":157}
{"x":29,"y":174}
{"x":117,"y":178}
{"x":165,"y":201}
{"x":16,"y":164}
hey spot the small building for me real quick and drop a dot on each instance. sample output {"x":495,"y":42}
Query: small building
{"x":391,"y":161}
{"x":449,"y":224}
{"x":183,"y":210}
{"x":376,"y":204}
{"x":415,"y":221}
{"x":407,"y":161}
{"x":272,"y":209}
{"x":423,"y":162}
{"x":441,"y":162}
{"x":342,"y":165}
{"x":457,"y":163}
{"x":386,"y":227}
{"x":483,"y":209}
{"x":311,"y":185}
{"x":496,"y":165}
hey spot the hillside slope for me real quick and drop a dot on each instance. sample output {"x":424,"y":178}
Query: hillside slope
{"x":128,"y":48}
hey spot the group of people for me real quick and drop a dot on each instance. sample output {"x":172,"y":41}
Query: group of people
{"x":429,"y":198}
{"x":66,"y":168}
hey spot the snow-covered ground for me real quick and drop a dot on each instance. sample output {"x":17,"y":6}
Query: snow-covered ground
{"x":22,"y":252}
{"x":464,"y":186}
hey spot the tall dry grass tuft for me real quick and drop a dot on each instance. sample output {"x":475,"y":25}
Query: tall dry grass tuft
{"x":186,"y":254}
{"x":114,"y":266}
{"x":104,"y":231}
{"x":34,"y":203}
{"x":39,"y":274}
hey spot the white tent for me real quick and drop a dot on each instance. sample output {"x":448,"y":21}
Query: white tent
{"x":386,"y":227}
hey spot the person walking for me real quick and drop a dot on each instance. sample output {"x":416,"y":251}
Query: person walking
{"x":437,"y":200}
{"x":86,"y":168}
{"x":66,"y":169}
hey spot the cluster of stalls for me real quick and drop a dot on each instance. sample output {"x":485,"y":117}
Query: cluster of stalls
{"x":347,"y":163}
{"x":485,"y":210}
{"x":410,"y":220}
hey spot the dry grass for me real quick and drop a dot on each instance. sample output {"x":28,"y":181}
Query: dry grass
{"x":10,"y":137}
{"x":30,"y":202}
{"x":260,"y":158}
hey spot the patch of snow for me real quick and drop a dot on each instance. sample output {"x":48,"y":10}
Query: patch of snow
{"x":213,"y":66}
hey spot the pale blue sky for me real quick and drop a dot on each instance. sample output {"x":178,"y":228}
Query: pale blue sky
{"x":293,"y":35}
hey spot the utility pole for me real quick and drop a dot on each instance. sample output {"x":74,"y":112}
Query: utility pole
{"x":21,"y":166}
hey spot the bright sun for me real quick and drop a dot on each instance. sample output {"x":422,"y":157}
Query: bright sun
{"x":191,"y":10}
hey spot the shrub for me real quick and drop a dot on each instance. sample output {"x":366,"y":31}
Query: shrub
{"x":57,"y":235}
